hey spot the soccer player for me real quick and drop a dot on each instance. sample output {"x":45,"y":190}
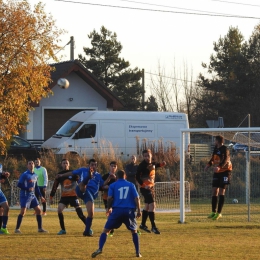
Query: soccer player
{"x":68,"y":195}
{"x":220,"y":160}
{"x":42,"y":181}
{"x":29,"y":188}
{"x":122,"y":202}
{"x":90,"y":184}
{"x":4,"y":207}
{"x":112,"y":175}
{"x":145,"y":176}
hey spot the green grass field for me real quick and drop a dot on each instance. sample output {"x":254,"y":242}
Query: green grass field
{"x":193,"y":240}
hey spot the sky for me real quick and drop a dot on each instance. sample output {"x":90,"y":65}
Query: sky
{"x":165,"y":34}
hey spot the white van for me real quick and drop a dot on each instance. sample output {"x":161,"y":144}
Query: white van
{"x":90,"y":132}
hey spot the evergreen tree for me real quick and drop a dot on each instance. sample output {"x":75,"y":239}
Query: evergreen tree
{"x":224,"y":93}
{"x":104,"y":62}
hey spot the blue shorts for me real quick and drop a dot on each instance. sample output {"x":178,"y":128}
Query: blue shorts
{"x":121,"y":216}
{"x":86,"y":196}
{"x":29,"y":201}
{"x":2,"y":197}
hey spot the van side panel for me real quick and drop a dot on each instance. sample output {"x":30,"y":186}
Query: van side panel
{"x":112,"y":135}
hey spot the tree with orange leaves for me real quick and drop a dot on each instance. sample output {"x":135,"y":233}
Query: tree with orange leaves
{"x":28,"y":39}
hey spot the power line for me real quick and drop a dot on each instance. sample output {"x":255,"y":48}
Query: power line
{"x":168,"y":77}
{"x":172,"y":7}
{"x":163,"y":11}
{"x":228,"y":2}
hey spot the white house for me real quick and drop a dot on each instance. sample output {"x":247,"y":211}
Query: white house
{"x":85,"y":92}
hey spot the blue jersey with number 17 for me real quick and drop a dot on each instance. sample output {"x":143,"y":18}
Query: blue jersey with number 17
{"x":123,"y":193}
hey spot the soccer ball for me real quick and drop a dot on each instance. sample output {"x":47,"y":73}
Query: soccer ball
{"x":63,"y":83}
{"x":234,"y":201}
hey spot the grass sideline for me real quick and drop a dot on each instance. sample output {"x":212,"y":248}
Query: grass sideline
{"x":207,"y":240}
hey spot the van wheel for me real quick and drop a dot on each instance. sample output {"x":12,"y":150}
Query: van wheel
{"x":72,"y":156}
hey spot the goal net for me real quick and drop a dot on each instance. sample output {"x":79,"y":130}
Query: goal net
{"x":242,"y":196}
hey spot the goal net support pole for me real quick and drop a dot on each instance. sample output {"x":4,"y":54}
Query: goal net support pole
{"x":186,"y":131}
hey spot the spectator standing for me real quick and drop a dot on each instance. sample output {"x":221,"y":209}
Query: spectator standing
{"x":131,"y":170}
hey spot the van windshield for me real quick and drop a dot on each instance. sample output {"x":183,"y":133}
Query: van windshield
{"x":69,"y":128}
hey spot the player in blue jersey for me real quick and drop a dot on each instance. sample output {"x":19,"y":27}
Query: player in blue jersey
{"x":4,"y":206}
{"x":90,"y":182}
{"x":122,"y":202}
{"x":29,"y":189}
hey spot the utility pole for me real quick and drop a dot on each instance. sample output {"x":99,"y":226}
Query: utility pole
{"x":72,"y":44}
{"x":143,"y":90}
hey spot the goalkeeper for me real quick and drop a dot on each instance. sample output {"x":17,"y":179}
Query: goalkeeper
{"x":220,"y":160}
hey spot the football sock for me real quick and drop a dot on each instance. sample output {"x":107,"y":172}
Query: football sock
{"x":44,"y":206}
{"x":102,"y":240}
{"x":152,"y":217}
{"x":5,"y":220}
{"x":39,"y":221}
{"x":1,"y":221}
{"x":221,"y":203}
{"x":81,"y":215}
{"x":136,"y":242}
{"x":61,"y":219}
{"x":214,"y":203}
{"x":144,"y":217}
{"x":88,"y":224}
{"x":19,"y":221}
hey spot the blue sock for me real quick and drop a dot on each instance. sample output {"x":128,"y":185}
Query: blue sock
{"x":39,"y":221}
{"x":5,"y":220}
{"x":88,"y":224}
{"x":136,"y":242}
{"x":102,"y":240}
{"x":19,"y":221}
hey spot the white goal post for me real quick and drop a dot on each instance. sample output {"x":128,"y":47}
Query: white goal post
{"x":216,"y":131}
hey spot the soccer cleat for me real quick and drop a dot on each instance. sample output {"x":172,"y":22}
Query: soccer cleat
{"x":217,"y":216}
{"x":138,"y":255}
{"x":88,"y":234}
{"x":41,"y":230}
{"x":62,"y":232}
{"x":17,"y":231}
{"x":44,"y":213}
{"x":5,"y":231}
{"x":139,"y":232}
{"x":212,"y":214}
{"x":145,"y":228}
{"x":155,"y":231}
{"x":97,"y":252}
{"x":111,"y":233}
{"x":1,"y":232}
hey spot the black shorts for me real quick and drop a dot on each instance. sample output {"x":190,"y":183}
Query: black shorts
{"x":72,"y":201}
{"x":148,"y":195}
{"x":221,"y":180}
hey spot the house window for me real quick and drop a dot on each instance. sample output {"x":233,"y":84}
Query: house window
{"x":87,"y":131}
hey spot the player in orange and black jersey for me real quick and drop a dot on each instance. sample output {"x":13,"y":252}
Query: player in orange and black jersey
{"x":145,"y":176}
{"x":220,"y":160}
{"x":68,"y":195}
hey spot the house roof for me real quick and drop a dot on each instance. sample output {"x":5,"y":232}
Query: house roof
{"x":63,"y":69}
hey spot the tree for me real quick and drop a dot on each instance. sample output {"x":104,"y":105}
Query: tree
{"x":151,"y":104}
{"x":28,"y":38}
{"x":104,"y":62}
{"x":225,"y":91}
